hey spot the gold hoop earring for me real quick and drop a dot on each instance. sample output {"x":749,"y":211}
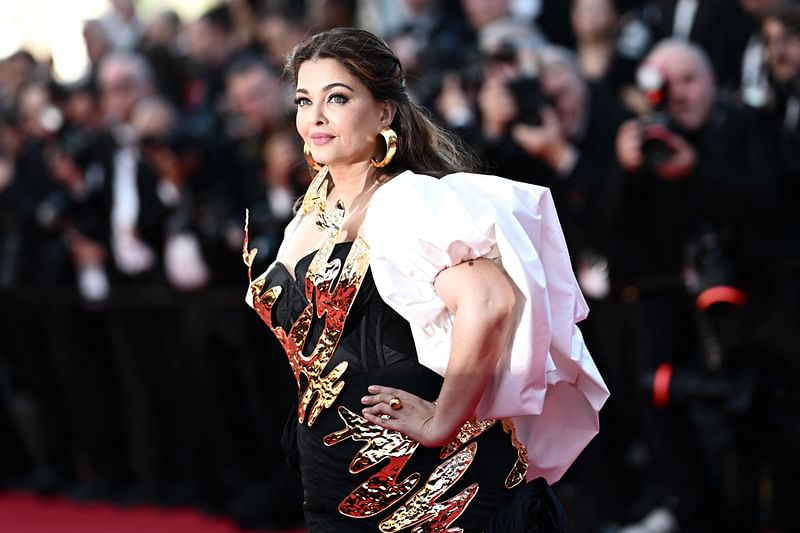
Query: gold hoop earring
{"x":390,"y":138}
{"x":310,"y":158}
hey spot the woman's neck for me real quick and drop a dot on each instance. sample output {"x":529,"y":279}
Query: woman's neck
{"x":351,"y":183}
{"x":595,"y":48}
{"x":594,"y":58}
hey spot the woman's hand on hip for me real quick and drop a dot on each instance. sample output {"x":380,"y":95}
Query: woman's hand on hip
{"x":404,"y":412}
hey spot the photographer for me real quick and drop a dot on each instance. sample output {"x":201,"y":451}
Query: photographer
{"x":715,"y":160}
{"x":698,"y":203}
{"x":556,"y":130}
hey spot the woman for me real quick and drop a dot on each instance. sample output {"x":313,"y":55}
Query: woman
{"x":424,"y":363}
{"x":595,"y":24}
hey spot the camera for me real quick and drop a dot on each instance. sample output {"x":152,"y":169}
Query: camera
{"x":529,"y":98}
{"x":732,"y":392}
{"x":655,"y":150}
{"x":708,"y":267}
{"x":709,"y":276}
{"x":524,"y":88}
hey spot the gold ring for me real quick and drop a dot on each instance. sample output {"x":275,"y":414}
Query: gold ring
{"x":395,"y":404}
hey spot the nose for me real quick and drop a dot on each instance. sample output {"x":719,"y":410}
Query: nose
{"x":317,"y":115}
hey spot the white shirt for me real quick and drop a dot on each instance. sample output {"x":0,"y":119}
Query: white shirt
{"x":131,"y":255}
{"x":685,"y":11}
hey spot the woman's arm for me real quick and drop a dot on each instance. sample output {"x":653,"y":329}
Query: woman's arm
{"x":481,"y":297}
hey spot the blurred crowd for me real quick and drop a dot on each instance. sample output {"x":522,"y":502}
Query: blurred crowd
{"x":668,"y":131}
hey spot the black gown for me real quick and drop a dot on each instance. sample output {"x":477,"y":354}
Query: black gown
{"x":340,"y":337}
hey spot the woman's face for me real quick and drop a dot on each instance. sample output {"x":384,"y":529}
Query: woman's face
{"x":593,"y":19}
{"x":337,"y":116}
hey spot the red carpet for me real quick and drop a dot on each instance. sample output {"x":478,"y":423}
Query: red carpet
{"x":24,"y":513}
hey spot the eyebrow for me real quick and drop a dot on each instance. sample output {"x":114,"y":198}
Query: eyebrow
{"x":327,"y":87}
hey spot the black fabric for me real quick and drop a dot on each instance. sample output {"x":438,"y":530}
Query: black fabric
{"x":379,"y":349}
{"x":289,"y":442}
{"x":535,"y":509}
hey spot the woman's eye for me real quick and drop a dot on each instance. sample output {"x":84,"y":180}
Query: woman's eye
{"x":337,"y":99}
{"x":301,"y":101}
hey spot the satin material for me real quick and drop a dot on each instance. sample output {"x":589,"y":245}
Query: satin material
{"x":546,"y":381}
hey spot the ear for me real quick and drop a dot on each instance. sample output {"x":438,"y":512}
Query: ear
{"x":388,"y":110}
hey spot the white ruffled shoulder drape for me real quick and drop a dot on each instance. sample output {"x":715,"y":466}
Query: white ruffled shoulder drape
{"x":546,"y":382}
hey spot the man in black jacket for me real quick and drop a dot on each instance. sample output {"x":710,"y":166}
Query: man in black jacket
{"x":139,"y":322}
{"x":776,"y":309}
{"x":687,"y":213}
{"x":555,"y":130}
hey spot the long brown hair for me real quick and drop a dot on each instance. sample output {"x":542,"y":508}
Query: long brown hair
{"x":422,"y":146}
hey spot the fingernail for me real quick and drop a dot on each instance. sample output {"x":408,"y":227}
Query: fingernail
{"x":372,"y":388}
{"x":364,"y":399}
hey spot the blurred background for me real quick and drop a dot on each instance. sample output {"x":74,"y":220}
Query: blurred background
{"x":134,"y":134}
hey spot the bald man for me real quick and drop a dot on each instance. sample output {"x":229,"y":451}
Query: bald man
{"x":689,"y":83}
{"x":692,"y":220}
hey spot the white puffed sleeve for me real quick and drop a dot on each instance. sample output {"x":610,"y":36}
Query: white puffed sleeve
{"x":546,"y":380}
